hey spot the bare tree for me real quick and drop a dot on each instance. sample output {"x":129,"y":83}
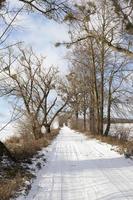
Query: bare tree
{"x":124,"y":11}
{"x":27,"y":79}
{"x":119,"y":39}
{"x":98,"y":41}
{"x":52,"y":9}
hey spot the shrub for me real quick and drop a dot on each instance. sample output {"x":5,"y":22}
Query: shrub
{"x":23,"y":149}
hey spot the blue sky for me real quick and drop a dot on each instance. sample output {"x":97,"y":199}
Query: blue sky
{"x":42,"y":34}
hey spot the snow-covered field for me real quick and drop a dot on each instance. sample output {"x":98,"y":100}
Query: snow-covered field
{"x":82,"y":169}
{"x":122,"y":128}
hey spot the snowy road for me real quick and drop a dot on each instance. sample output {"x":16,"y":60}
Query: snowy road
{"x":81,"y":169}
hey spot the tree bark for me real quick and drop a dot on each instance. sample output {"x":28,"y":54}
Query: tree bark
{"x":37,"y":131}
{"x":84,"y":119}
{"x":95,"y":89}
{"x":92,"y":116}
{"x":77,"y":118}
{"x":109,"y":108}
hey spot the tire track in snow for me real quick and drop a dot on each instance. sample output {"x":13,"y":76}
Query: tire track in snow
{"x":81,"y":169}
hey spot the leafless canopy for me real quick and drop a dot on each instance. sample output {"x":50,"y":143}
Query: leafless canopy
{"x":53,"y":9}
{"x":26,"y":78}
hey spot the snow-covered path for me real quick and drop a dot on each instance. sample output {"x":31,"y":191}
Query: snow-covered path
{"x":81,"y":169}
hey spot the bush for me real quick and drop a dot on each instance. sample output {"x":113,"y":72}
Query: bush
{"x":23,"y":149}
{"x":26,"y":149}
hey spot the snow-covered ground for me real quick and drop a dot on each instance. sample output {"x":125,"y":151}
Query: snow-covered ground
{"x":82,"y":169}
{"x":122,"y":128}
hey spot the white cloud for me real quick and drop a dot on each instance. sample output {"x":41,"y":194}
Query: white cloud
{"x":42,"y":34}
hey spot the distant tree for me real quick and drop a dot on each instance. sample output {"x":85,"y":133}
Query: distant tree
{"x":79,"y":74}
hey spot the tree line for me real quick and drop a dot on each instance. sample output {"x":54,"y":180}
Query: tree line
{"x":99,"y":81}
{"x":101,"y":61}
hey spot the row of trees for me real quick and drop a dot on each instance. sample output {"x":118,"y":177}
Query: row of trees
{"x":101,"y":70}
{"x":100,"y":73}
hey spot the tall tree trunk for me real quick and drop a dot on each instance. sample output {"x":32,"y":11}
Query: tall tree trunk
{"x":84,"y":109}
{"x":97,"y":118}
{"x":102,"y":94}
{"x":37,"y":131}
{"x":77,"y":118}
{"x":102,"y":89}
{"x":85,"y":119}
{"x":92,"y":115}
{"x":101,"y":107}
{"x":93,"y":72}
{"x":108,"y":122}
{"x":102,"y":66}
{"x":109,"y":108}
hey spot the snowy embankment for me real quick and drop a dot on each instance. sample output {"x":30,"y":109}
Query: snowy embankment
{"x":82,"y":169}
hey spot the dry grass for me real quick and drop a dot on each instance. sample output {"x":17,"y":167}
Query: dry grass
{"x":23,"y":149}
{"x":12,"y":181}
{"x":13,"y":177}
{"x":122,"y":145}
{"x":114,"y":141}
{"x":26,"y":149}
{"x":9,"y":187}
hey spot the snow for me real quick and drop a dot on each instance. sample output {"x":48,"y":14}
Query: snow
{"x":7,"y":132}
{"x":82,"y":169}
{"x":125,"y":128}
{"x":55,"y":123}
